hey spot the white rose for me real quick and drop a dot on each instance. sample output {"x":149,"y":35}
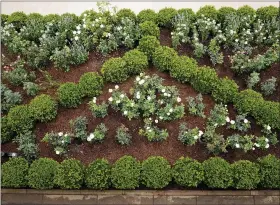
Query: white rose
{"x":76,"y":38}
{"x":57,"y":152}
{"x":148,"y":98}
{"x":110,"y":99}
{"x":110,"y":90}
{"x":179,"y":99}
{"x":137,"y":79}
{"x":232,"y":122}
{"x":245,"y":121}
{"x":268,"y":127}
{"x":156,"y":121}
{"x":237,"y":145}
{"x":125,"y":112}
{"x":195,"y":137}
{"x":60,"y":134}
{"x":163,"y":90}
{"x":122,"y":95}
{"x":267,"y":146}
{"x":200,"y":133}
{"x":101,"y":26}
{"x":118,"y":101}
{"x":74,"y":32}
{"x":141,"y":82}
{"x":116,"y":87}
{"x":84,"y":26}
{"x":168,"y":113}
{"x":267,"y":140}
{"x":171,"y":110}
{"x":227,"y":119}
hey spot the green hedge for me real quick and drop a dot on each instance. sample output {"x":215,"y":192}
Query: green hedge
{"x":136,"y":61}
{"x":147,"y":15}
{"x":163,"y":58}
{"x":165,"y":17}
{"x":114,"y":70}
{"x":91,"y":84}
{"x":69,"y":95}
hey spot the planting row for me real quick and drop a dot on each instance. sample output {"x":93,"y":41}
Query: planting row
{"x":154,"y":172}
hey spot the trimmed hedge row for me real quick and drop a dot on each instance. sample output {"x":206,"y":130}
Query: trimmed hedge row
{"x":154,"y":172}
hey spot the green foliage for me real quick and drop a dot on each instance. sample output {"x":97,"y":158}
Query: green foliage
{"x":18,"y":19}
{"x":91,"y":84}
{"x":4,"y":18}
{"x":89,"y":14}
{"x":6,"y":133}
{"x":218,"y":173}
{"x":79,"y":127}
{"x":9,"y":98}
{"x":19,"y":75}
{"x":69,"y":95}
{"x":208,"y":12}
{"x":69,"y":174}
{"x":188,"y":172}
{"x":123,"y":137}
{"x":245,"y":174}
{"x":245,"y":11}
{"x":115,"y":70}
{"x":41,"y":173}
{"x":98,"y":110}
{"x":225,"y":11}
{"x":58,"y":141}
{"x":225,"y":90}
{"x":163,"y":58}
{"x":218,"y":115}
{"x":43,"y":108}
{"x":267,"y":13}
{"x":51,"y":18}
{"x":269,"y":172}
{"x":148,"y":45}
{"x":126,"y":13}
{"x":125,"y":173}
{"x":147,"y":15}
{"x":97,"y":174}
{"x":188,"y":136}
{"x":13,"y":173}
{"x":99,"y":133}
{"x":31,"y":88}
{"x":269,"y":86}
{"x":196,"y":106}
{"x":156,"y":172}
{"x":187,"y":12}
{"x":241,"y":142}
{"x":216,"y":56}
{"x":165,"y":17}
{"x":149,"y":28}
{"x":253,"y":80}
{"x":136,"y":61}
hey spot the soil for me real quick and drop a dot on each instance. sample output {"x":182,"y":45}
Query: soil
{"x":140,"y":148}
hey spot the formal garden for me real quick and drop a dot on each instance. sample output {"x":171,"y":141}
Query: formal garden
{"x":110,"y":99}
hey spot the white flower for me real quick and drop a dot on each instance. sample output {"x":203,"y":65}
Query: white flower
{"x":156,"y":121}
{"x":195,"y":137}
{"x":268,"y":127}
{"x":84,"y":26}
{"x":160,"y":117}
{"x":79,"y":32}
{"x":76,"y":38}
{"x":148,"y":128}
{"x":94,"y":100}
{"x":216,"y":124}
{"x":200,"y":133}
{"x":78,"y":27}
{"x":85,"y":14}
{"x":132,"y":104}
{"x":267,"y":146}
{"x":148,"y":98}
{"x":125,"y":112}
{"x":171,"y":110}
{"x":163,"y":90}
{"x":267,"y":140}
{"x":257,"y":145}
{"x":232,"y":122}
{"x":116,"y":87}
{"x":62,"y":141}
{"x":179,"y":99}
{"x":245,"y":121}
{"x":141,"y":74}
{"x":236,"y":40}
{"x":227,"y":119}
{"x":168,"y":113}
{"x":138,"y":96}
{"x":110,"y":90}
{"x":150,"y":118}
{"x":57,"y":152}
{"x":237,"y":145}
{"x":141,"y":82}
{"x":101,"y":26}
{"x":89,"y":139}
{"x":122,"y":95}
{"x":60,"y":134}
{"x":165,"y":94}
{"x":110,"y":99}
{"x":74,"y":32}
{"x":253,"y":148}
{"x":118,"y":101}
{"x":137,"y":78}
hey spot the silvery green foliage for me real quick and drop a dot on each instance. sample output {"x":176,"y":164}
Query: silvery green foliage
{"x":79,"y":127}
{"x":218,"y":115}
{"x":152,"y":132}
{"x":216,"y":56}
{"x":9,"y":98}
{"x":199,"y":48}
{"x":99,"y":133}
{"x":189,"y":136}
{"x":98,"y":110}
{"x":240,"y":123}
{"x":253,"y":80}
{"x":31,"y":88}
{"x":123,"y":137}
{"x":196,"y":106}
{"x":181,"y":24}
{"x":245,"y":142}
{"x":58,"y":141}
{"x":269,"y":86}
{"x":207,"y":27}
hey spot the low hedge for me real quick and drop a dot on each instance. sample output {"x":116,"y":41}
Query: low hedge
{"x":163,"y":58}
{"x":91,"y":84}
{"x":114,"y":70}
{"x":125,"y":13}
{"x":245,"y":11}
{"x":149,"y":28}
{"x":136,"y":61}
{"x":165,"y":17}
{"x":69,"y":95}
{"x":267,"y":13}
{"x":148,"y":45}
{"x":147,"y":15}
{"x":208,"y":11}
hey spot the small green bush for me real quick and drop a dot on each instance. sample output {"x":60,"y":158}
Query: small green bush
{"x":246,"y":10}
{"x":91,"y":84}
{"x":156,"y":172}
{"x":208,"y":12}
{"x":163,"y":58}
{"x":69,"y":174}
{"x":224,"y":11}
{"x":188,"y":172}
{"x":187,"y":12}
{"x":31,"y":88}
{"x":147,"y":15}
{"x":218,"y":173}
{"x":4,"y":18}
{"x":114,"y":70}
{"x":204,"y":80}
{"x":148,"y":45}
{"x":136,"y":61}
{"x":245,"y":174}
{"x":69,"y":95}
{"x":97,"y":174}
{"x":126,"y":13}
{"x":225,"y":90}
{"x":125,"y":173}
{"x":43,"y":108}
{"x":13,"y":173}
{"x":267,"y":13}
{"x":6,"y":133}
{"x":18,"y":19}
{"x":269,"y":172}
{"x":35,"y":16}
{"x":165,"y":17}
{"x":149,"y":28}
{"x":51,"y":18}
{"x":41,"y":173}
{"x":89,"y":14}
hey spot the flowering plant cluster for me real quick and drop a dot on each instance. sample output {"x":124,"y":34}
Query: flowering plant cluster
{"x":99,"y":133}
{"x":98,"y":110}
{"x":240,"y":123}
{"x":59,"y":141}
{"x":196,"y":106}
{"x":180,"y":34}
{"x":189,"y":136}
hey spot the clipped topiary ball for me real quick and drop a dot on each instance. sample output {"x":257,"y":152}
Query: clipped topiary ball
{"x":163,"y":58}
{"x":69,"y":95}
{"x":208,"y":11}
{"x":147,"y":15}
{"x":126,"y":13}
{"x":149,"y":28}
{"x":114,"y":70}
{"x":136,"y":61}
{"x":148,"y":45}
{"x":91,"y":84}
{"x":165,"y":17}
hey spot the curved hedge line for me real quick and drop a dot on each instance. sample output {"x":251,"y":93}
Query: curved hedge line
{"x":154,"y":172}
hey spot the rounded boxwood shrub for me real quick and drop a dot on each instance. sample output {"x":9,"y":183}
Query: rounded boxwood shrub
{"x":165,"y":17}
{"x":125,"y":173}
{"x":187,"y":12}
{"x":224,"y":11}
{"x":6,"y":133}
{"x":225,"y":90}
{"x":163,"y":58}
{"x":20,"y":118}
{"x":51,"y":17}
{"x":18,"y":19}
{"x":148,"y":45}
{"x":43,"y":108}
{"x":156,"y":172}
{"x":245,"y":11}
{"x":69,"y":95}
{"x":147,"y":15}
{"x":13,"y":173}
{"x":91,"y":84}
{"x":269,"y":172}
{"x":188,"y":172}
{"x":35,"y":16}
{"x":125,"y":13}
{"x":89,"y":14}
{"x":41,"y":173}
{"x":149,"y":28}
{"x":69,"y":174}
{"x":208,"y":12}
{"x":183,"y":68}
{"x":4,"y":18}
{"x":204,"y":80}
{"x":245,"y":174}
{"x":114,"y":70}
{"x":97,"y":174}
{"x":136,"y":61}
{"x":218,"y":173}
{"x":267,"y":13}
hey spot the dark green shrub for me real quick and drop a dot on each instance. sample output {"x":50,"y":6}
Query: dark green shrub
{"x":6,"y":133}
{"x":69,"y":174}
{"x":136,"y":61}
{"x":147,"y":15}
{"x":114,"y":70}
{"x":125,"y":173}
{"x":13,"y":173}
{"x":51,"y":17}
{"x":165,"y":17}
{"x":41,"y":173}
{"x":204,"y":80}
{"x":18,"y":19}
{"x":225,"y":90}
{"x":35,"y":16}
{"x":163,"y":58}
{"x":267,"y":13}
{"x":188,"y":172}
{"x":269,"y":172}
{"x":156,"y":172}
{"x":149,"y":28}
{"x":43,"y":108}
{"x":187,"y":12}
{"x":208,"y":12}
{"x":4,"y":18}
{"x":148,"y":45}
{"x":245,"y":174}
{"x":20,"y":118}
{"x":245,"y":11}
{"x":183,"y":68}
{"x":218,"y":173}
{"x":97,"y":174}
{"x":224,"y":11}
{"x":126,"y":13}
{"x":91,"y":84}
{"x":69,"y":95}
